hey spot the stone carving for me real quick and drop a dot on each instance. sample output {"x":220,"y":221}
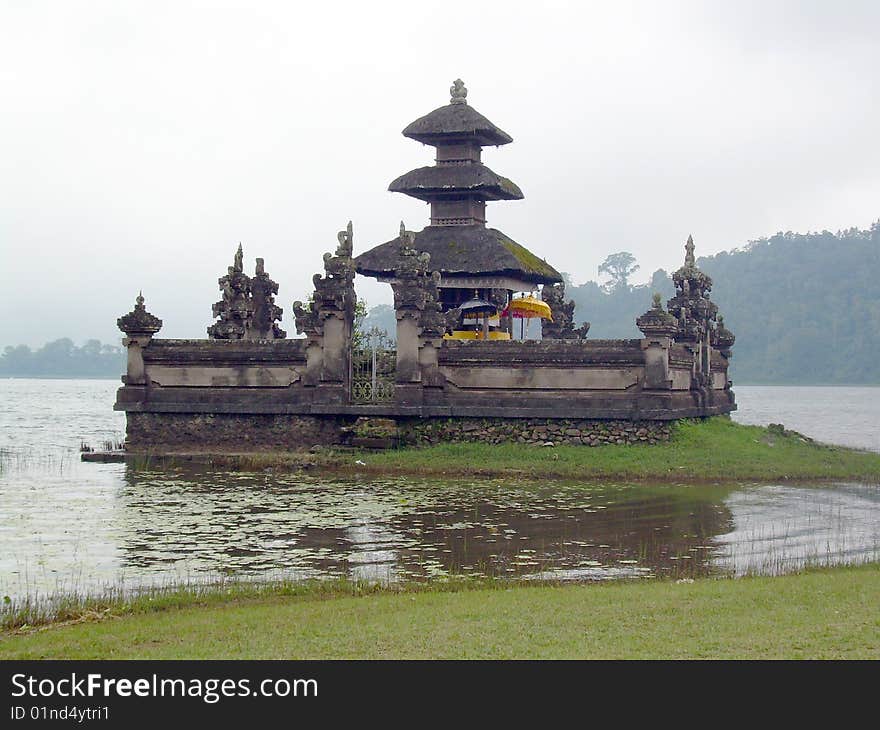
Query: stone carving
{"x":432,"y":321}
{"x":416,"y":289}
{"x":247,"y":308}
{"x":334,"y":291}
{"x":562,"y":326}
{"x":346,"y":241}
{"x":657,"y":322}
{"x":696,"y":315}
{"x":235,"y":309}
{"x":263,"y":325}
{"x":306,"y":319}
{"x":691,"y":305}
{"x":722,"y":338}
{"x":139,"y":322}
{"x":458,"y":92}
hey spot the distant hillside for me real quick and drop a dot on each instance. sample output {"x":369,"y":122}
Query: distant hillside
{"x":805,"y":308}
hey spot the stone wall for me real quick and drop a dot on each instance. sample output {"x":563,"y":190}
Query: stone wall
{"x":232,"y":432}
{"x":575,"y":432}
{"x":182,"y":432}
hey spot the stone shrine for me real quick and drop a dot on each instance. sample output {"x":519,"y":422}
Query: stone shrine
{"x":250,"y":387}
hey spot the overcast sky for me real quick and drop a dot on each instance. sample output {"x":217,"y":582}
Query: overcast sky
{"x":141,"y":141}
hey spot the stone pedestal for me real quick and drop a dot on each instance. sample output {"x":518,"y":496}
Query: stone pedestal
{"x":656,"y":351}
{"x":408,"y":370}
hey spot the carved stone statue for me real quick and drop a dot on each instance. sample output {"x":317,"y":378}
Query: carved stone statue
{"x":458,"y":92}
{"x":346,"y":241}
{"x":691,"y":305}
{"x":416,"y":289}
{"x":307,"y":321}
{"x":334,"y":291}
{"x":561,"y":327}
{"x":263,"y":324}
{"x":235,"y":309}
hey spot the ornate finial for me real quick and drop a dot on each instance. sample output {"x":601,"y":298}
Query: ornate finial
{"x":458,"y":92}
{"x":656,"y":322}
{"x":139,"y":322}
{"x":689,"y":252}
{"x":239,"y":259}
{"x":407,"y":240}
{"x":261,"y":267}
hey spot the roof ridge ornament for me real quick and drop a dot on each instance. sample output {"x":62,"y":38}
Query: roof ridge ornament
{"x":139,"y":322}
{"x":458,"y":92}
{"x":689,"y":252}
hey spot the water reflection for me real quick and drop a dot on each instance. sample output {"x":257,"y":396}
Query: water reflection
{"x":248,"y":525}
{"x":781,"y":528}
{"x":65,"y":525}
{"x":144,"y":527}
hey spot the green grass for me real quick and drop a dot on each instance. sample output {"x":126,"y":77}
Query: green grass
{"x":715,"y":449}
{"x":821,"y":613}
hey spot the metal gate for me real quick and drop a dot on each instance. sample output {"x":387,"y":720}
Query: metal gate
{"x":373,"y":365}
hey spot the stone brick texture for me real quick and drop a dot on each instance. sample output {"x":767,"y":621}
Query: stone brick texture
{"x":572,"y":432}
{"x":232,"y":432}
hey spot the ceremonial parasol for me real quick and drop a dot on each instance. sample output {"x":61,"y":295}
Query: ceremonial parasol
{"x":479,"y":308}
{"x":527,"y":308}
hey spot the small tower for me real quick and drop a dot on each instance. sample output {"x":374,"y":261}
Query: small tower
{"x":467,"y":254}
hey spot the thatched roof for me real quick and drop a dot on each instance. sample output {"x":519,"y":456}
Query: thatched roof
{"x":462,"y":250}
{"x":431,"y":183}
{"x":456,"y":121}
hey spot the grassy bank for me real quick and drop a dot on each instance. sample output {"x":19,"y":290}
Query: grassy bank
{"x":716,"y":449}
{"x":828,"y":613}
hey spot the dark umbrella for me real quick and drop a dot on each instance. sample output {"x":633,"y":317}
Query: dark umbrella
{"x":476,"y":307}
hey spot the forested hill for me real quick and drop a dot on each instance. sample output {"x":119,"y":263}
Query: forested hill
{"x":805,"y":308}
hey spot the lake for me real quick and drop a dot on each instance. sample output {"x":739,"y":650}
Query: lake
{"x":67,"y":525}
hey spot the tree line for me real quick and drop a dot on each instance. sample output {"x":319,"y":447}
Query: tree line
{"x":805,"y":307}
{"x":63,"y":359}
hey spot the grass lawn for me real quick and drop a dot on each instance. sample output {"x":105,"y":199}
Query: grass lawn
{"x":715,"y":449}
{"x":818,"y":614}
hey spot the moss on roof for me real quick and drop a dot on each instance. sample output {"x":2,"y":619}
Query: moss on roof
{"x":463,"y":250}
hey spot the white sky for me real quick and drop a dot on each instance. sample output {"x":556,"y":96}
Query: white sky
{"x":141,"y":141}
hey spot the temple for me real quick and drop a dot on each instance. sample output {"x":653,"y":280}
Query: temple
{"x":458,"y":370}
{"x":474,"y":261}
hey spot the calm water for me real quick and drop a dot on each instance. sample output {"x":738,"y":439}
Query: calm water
{"x":849,"y":416}
{"x":66,"y":525}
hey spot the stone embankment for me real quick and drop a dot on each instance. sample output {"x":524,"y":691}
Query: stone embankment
{"x":571,"y":432}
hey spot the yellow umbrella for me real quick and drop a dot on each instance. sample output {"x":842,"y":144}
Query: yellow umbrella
{"x":527,"y":307}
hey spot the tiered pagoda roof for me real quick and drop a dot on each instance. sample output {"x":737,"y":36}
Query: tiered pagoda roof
{"x":458,"y":187}
{"x":439,"y":183}
{"x":456,"y":119}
